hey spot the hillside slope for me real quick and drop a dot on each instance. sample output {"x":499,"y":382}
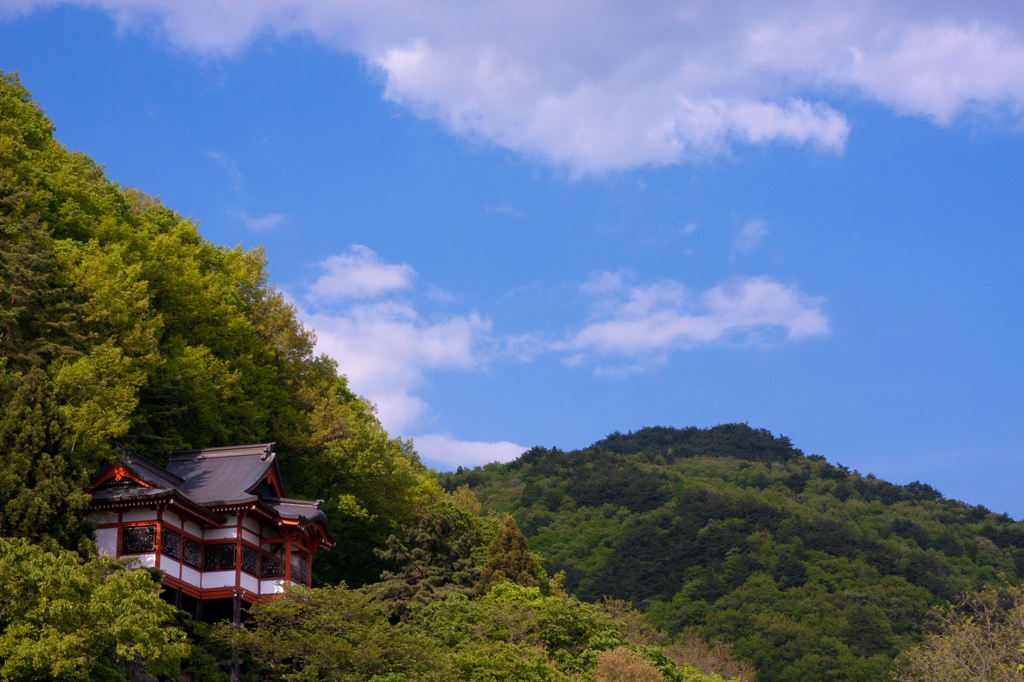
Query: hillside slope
{"x":121,"y":324}
{"x":813,"y":571}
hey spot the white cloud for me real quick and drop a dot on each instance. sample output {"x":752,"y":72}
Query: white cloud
{"x":649,"y":322}
{"x":359,"y":274}
{"x":385,"y":349}
{"x":606,"y":85}
{"x":441,"y":447}
{"x":750,"y":236}
{"x":267,"y":222}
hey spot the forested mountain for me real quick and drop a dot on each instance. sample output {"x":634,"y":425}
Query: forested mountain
{"x":813,"y":571}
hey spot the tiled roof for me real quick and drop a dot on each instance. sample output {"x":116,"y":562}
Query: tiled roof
{"x":214,"y":476}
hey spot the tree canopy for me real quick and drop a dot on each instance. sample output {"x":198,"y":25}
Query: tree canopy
{"x":810,"y":570}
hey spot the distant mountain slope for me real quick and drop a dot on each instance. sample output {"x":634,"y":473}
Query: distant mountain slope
{"x":813,"y":571}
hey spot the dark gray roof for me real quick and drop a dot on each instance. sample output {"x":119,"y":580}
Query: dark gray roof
{"x":222,"y":475}
{"x":304,"y":511}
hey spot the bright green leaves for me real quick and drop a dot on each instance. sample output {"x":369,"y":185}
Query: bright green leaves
{"x":373,"y":486}
{"x":331,"y":633}
{"x":98,"y":393}
{"x":62,"y":619}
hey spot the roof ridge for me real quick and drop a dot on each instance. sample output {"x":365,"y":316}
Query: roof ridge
{"x":265,"y":450}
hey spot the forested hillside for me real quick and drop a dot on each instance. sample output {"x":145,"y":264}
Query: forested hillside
{"x":121,"y":324}
{"x":814,"y":572}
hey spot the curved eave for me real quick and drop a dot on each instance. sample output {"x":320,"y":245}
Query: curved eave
{"x":181,"y":505}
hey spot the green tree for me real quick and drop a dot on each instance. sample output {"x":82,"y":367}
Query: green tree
{"x":68,"y":620}
{"x":41,"y":496}
{"x":330,"y":633}
{"x":434,"y":562}
{"x":509,"y":559}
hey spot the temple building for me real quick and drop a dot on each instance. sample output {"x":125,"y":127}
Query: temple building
{"x":216,"y":521}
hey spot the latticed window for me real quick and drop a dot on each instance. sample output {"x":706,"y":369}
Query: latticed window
{"x":273,"y":566}
{"x":250,"y":561}
{"x":138,"y":539}
{"x":219,"y":557}
{"x":192,"y":553}
{"x":170,"y":543}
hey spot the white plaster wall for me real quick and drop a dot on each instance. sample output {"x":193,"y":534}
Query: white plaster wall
{"x":170,"y":566}
{"x":193,"y":529}
{"x":191,"y":575}
{"x":250,"y":537}
{"x":270,"y":532}
{"x":220,"y":534}
{"x":139,"y":515}
{"x":102,"y":517}
{"x":172,"y":518}
{"x":271,"y":587}
{"x":143,"y":560}
{"x":218,"y":579}
{"x":106,"y":541}
{"x":250,"y":583}
{"x":251,"y":524}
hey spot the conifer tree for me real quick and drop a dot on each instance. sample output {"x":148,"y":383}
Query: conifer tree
{"x":509,"y":558}
{"x":41,"y":496}
{"x":433,"y":563}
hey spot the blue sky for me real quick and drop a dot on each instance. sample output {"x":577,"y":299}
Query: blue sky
{"x":521,"y":223}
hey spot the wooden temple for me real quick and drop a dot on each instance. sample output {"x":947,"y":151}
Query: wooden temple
{"x":216,"y":521}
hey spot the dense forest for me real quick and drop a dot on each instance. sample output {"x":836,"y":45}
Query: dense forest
{"x":810,"y":570}
{"x":684,"y":555}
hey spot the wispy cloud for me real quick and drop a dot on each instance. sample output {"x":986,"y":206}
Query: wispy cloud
{"x":229,"y":165}
{"x":439,"y":295}
{"x":620,"y":85}
{"x":257,"y":224}
{"x":359,"y":274}
{"x":441,"y":447}
{"x":654,"y":320}
{"x":503,"y":208}
{"x":750,"y":236}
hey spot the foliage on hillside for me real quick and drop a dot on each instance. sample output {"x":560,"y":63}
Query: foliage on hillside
{"x":63,"y":619}
{"x":811,"y":571}
{"x":121,"y":323}
{"x":512,"y":633}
